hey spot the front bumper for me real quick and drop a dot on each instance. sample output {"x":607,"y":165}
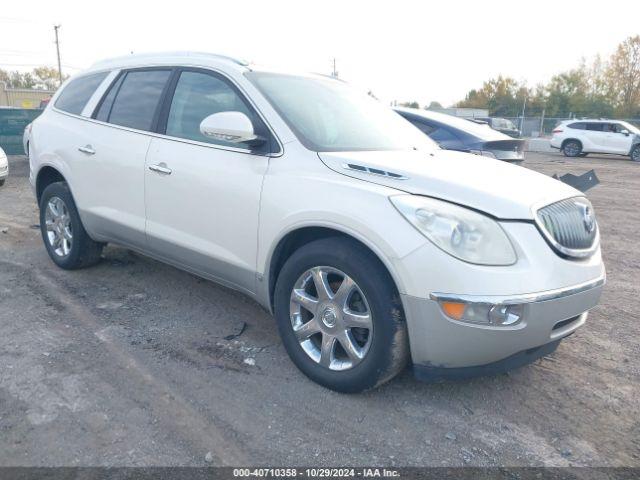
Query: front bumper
{"x":439,"y":342}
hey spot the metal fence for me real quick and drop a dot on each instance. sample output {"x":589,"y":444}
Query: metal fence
{"x":542,"y":126}
{"x":12,"y":124}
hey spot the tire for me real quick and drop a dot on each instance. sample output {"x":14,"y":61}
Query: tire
{"x":67,"y":242}
{"x":635,"y":153}
{"x":382,"y":347}
{"x":2,"y":182}
{"x":572,"y":148}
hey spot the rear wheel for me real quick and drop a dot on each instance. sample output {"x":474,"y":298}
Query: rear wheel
{"x":65,"y":238}
{"x":572,"y":148}
{"x":635,"y":153}
{"x":340,"y":317}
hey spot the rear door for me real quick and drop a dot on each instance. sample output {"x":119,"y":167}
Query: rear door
{"x":596,"y":136}
{"x":203,"y":194}
{"x":114,"y":155}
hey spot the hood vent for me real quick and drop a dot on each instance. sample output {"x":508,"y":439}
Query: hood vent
{"x":374,"y":171}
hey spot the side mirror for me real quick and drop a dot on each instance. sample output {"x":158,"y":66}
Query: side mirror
{"x":625,"y":132}
{"x":234,"y":127}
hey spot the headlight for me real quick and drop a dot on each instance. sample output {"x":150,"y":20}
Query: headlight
{"x":459,"y":231}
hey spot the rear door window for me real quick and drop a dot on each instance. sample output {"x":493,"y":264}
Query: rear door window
{"x":77,"y":93}
{"x":596,"y":127}
{"x":443,"y":136}
{"x":135,"y":100}
{"x":424,"y":126}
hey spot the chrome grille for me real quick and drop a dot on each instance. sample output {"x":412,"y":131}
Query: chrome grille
{"x":570,"y":226}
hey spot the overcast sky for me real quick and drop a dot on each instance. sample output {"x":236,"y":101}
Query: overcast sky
{"x":400,"y":50}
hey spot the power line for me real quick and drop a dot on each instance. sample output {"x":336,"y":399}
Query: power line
{"x":43,"y":64}
{"x":20,"y":20}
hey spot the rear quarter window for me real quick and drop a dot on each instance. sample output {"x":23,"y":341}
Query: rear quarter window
{"x":443,"y":135}
{"x":77,"y":93}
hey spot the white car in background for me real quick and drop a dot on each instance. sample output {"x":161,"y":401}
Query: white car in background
{"x":372,"y":246}
{"x":578,"y":138}
{"x":4,"y":167}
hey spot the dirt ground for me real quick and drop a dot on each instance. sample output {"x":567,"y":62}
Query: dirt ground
{"x":136,"y":363}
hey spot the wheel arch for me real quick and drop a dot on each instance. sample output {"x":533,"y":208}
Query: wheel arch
{"x":302,"y":235}
{"x":45,"y":177}
{"x":570,"y":139}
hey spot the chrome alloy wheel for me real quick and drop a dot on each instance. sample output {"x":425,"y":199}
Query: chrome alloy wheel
{"x":331,"y":318}
{"x":58,"y":223}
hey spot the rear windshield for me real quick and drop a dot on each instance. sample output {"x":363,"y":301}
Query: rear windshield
{"x":77,"y":92}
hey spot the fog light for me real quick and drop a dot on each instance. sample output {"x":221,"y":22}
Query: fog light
{"x":483,"y":313}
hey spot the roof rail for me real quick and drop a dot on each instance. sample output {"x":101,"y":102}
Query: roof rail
{"x":235,"y":60}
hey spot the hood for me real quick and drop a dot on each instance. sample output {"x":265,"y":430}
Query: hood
{"x":500,"y":189}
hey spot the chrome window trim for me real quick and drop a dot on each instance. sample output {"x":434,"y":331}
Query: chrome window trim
{"x":520,"y":299}
{"x":568,"y":252}
{"x":247,"y":151}
{"x":91,"y":105}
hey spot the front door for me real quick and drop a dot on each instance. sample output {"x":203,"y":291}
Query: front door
{"x":203,"y":195}
{"x":617,"y":141}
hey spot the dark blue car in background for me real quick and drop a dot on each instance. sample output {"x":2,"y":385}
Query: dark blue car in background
{"x":455,"y":133}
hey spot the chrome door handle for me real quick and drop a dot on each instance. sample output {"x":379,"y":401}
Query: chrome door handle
{"x":162,"y":168}
{"x":88,"y":149}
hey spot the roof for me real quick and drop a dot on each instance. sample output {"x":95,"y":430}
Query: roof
{"x":167,"y":58}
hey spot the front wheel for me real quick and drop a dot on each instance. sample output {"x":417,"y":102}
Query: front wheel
{"x":65,"y":238}
{"x":340,"y":317}
{"x":635,"y":153}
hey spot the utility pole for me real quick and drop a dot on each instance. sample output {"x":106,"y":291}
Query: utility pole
{"x":55,"y":28}
{"x":335,"y":72}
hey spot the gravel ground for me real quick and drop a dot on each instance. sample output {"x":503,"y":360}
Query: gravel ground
{"x":136,"y":363}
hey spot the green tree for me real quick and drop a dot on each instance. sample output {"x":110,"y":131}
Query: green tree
{"x":42,"y":78}
{"x":501,"y":95}
{"x":623,"y":77}
{"x":602,"y":88}
{"x":47,"y":78}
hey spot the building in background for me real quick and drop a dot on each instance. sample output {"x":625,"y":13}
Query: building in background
{"x":463,"y":112}
{"x":23,"y":97}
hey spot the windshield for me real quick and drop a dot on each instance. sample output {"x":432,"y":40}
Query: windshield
{"x":631,"y":128}
{"x":329,"y":116}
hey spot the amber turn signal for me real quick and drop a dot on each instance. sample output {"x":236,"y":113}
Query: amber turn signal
{"x":453,"y":310}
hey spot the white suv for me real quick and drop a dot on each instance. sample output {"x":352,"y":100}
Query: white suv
{"x":4,"y":167}
{"x":578,"y":138}
{"x":369,"y":243}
